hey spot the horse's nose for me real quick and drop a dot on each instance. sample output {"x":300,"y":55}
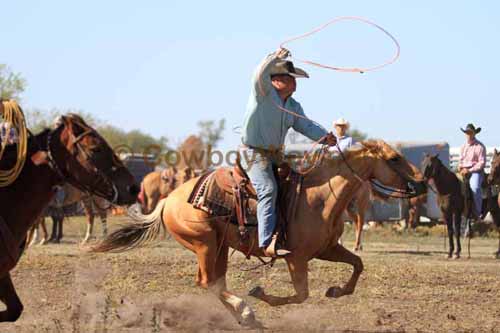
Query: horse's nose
{"x":133,"y":190}
{"x":421,"y":187}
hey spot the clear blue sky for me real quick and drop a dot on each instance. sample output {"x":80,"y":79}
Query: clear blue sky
{"x":161,"y":66}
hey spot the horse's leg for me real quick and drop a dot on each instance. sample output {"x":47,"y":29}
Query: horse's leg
{"x":457,"y":221}
{"x":90,"y":221}
{"x":418,"y":212}
{"x":340,"y":254}
{"x":361,"y":221}
{"x":498,"y":252}
{"x":32,"y":235}
{"x":212,"y":276}
{"x":356,"y":219}
{"x":44,"y":239}
{"x":60,"y":232}
{"x":9,"y":297}
{"x":104,"y":223}
{"x":237,"y":306}
{"x":298,"y":272}
{"x":53,"y":235}
{"x":448,"y":217}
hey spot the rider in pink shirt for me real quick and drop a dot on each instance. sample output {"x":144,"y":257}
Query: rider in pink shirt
{"x":472,"y":162}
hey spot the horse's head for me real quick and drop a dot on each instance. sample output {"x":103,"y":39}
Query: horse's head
{"x":494,"y":177}
{"x":81,"y":157}
{"x":431,"y":165}
{"x":169,"y":179}
{"x":186,"y":174}
{"x":393,"y":171}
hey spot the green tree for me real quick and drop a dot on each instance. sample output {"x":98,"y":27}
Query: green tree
{"x":39,"y":119}
{"x":12,"y":85}
{"x":357,"y":135}
{"x":137,"y":140}
{"x":211,"y":131}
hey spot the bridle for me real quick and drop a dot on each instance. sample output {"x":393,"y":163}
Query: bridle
{"x":403,"y":194}
{"x":111,"y":192}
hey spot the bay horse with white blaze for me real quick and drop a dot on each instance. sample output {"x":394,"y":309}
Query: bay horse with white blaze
{"x":74,"y":153}
{"x":313,"y":232}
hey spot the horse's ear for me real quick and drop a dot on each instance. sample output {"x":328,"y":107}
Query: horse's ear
{"x":436,"y":155}
{"x":40,"y":157}
{"x":495,"y":151}
{"x":425,"y":154}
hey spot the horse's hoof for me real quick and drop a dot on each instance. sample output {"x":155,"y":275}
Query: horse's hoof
{"x":247,"y":319}
{"x":43,"y":242}
{"x":497,"y":255}
{"x":256,"y":292}
{"x":334,"y":292}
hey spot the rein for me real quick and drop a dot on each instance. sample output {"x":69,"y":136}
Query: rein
{"x":406,"y":194}
{"x":113,"y":191}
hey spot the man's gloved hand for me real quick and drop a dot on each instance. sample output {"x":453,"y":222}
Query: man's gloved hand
{"x":282,"y":53}
{"x":330,"y":139}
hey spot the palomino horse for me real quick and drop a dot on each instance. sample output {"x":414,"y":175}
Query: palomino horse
{"x":494,"y":207}
{"x":314,"y":231}
{"x":72,"y":195}
{"x":157,"y":185}
{"x":73,"y":152}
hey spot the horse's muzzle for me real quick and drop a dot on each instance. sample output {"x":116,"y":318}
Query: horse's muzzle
{"x":417,"y":187}
{"x":133,"y":190}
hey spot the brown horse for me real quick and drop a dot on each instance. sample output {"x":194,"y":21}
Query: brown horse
{"x":494,"y":207}
{"x":157,"y":185}
{"x":314,"y":231}
{"x":451,"y":200}
{"x":73,"y":152}
{"x":92,"y":205}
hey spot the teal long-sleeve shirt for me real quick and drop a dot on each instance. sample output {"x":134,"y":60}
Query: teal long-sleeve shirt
{"x":265,"y":125}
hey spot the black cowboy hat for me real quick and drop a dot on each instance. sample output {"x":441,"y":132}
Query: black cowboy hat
{"x":286,"y":67}
{"x":471,"y":128}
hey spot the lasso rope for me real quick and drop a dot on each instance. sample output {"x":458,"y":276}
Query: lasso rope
{"x":13,"y":115}
{"x":347,"y":69}
{"x":341,"y":69}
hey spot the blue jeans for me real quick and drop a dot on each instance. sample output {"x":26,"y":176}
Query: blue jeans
{"x":259,"y":166}
{"x":475,"y":181}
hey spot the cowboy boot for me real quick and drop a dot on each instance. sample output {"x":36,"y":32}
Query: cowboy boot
{"x":274,"y":249}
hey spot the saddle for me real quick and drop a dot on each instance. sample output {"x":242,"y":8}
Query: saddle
{"x":228,"y":192}
{"x":469,"y":208}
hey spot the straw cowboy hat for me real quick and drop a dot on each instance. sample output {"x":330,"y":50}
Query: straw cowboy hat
{"x":286,"y":67}
{"x":471,"y":128}
{"x":341,"y":122}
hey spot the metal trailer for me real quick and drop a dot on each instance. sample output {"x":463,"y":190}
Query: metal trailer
{"x":139,"y":165}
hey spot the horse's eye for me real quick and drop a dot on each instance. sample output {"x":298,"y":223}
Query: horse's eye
{"x":394,"y":159}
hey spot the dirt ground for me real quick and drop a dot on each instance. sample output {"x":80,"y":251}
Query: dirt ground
{"x":407,"y":285}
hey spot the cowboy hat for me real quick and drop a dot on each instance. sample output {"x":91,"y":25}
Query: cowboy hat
{"x":286,"y":67}
{"x":341,"y":122}
{"x":471,"y":128}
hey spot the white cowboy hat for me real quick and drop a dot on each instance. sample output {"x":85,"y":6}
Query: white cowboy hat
{"x":341,"y":122}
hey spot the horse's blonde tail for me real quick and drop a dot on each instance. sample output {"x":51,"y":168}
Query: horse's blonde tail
{"x":132,"y":235}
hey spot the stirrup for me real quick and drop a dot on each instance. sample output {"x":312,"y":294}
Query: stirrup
{"x":273,"y":250}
